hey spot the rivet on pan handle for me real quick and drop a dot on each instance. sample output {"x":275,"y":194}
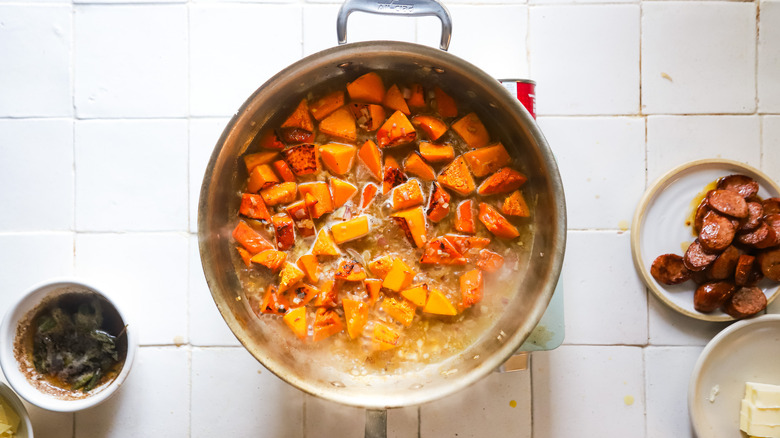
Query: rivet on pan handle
{"x":415,"y":8}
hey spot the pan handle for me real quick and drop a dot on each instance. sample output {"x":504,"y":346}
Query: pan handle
{"x":414,"y":8}
{"x":376,"y":423}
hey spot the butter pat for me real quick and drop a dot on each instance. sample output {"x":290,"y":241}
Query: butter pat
{"x":760,"y":410}
{"x":9,"y":421}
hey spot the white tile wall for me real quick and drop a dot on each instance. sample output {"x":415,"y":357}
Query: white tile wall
{"x":109,"y":110}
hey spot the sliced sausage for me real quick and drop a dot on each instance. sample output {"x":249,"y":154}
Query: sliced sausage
{"x":717,"y":232}
{"x":773,"y":221}
{"x":728,"y":202}
{"x":701,"y":211}
{"x":742,"y":184}
{"x":724,"y":266}
{"x":771,"y":206}
{"x":747,"y":272}
{"x":753,"y":219}
{"x":700,"y":277}
{"x":744,"y":302}
{"x":769,"y":261}
{"x":669,"y":269}
{"x":762,"y":237}
{"x":696,"y":258}
{"x":709,"y":296}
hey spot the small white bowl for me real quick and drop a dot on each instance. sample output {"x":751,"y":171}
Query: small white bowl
{"x":25,"y":429}
{"x":20,"y":312}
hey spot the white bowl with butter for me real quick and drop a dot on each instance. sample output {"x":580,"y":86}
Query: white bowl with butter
{"x":17,"y":418}
{"x":746,"y":351}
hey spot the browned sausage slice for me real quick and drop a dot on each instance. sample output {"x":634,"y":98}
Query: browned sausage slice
{"x":753,"y":219}
{"x":771,"y":206}
{"x":742,"y":184}
{"x":746,"y":301}
{"x":762,"y":237}
{"x":724,"y":266}
{"x":717,"y":232}
{"x":669,"y":269}
{"x":728,"y":202}
{"x":773,"y":221}
{"x":710,"y":296}
{"x":770,"y":263}
{"x":747,"y":272}
{"x":701,"y":211}
{"x":696,"y":259}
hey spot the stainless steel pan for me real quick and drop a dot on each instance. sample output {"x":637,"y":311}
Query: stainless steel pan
{"x":505,"y":118}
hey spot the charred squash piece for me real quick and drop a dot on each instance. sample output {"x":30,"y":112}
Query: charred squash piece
{"x":284,"y":171}
{"x":394,"y":100}
{"x":368,"y":88}
{"x":329,"y":295}
{"x":432,"y":126}
{"x":350,"y":270}
{"x":269,"y":140}
{"x":300,"y":215}
{"x":289,"y":276}
{"x":393,"y":175}
{"x":415,"y":165}
{"x":472,"y":131}
{"x":487,"y":160}
{"x":340,"y":124}
{"x":368,"y":116}
{"x":326,"y":323}
{"x":301,"y":294}
{"x":302,"y":159}
{"x":252,"y":206}
{"x":503,"y":181}
{"x":325,"y":105}
{"x":496,"y":223}
{"x":456,"y":176}
{"x":373,"y":287}
{"x":412,"y":223}
{"x":284,"y":227}
{"x":250,"y":239}
{"x":292,"y":135}
{"x":438,"y":204}
{"x":300,"y":118}
{"x":385,"y":337}
{"x":273,"y":304}
{"x":515,"y":205}
{"x":440,"y":251}
{"x":400,"y":309}
{"x":397,"y":130}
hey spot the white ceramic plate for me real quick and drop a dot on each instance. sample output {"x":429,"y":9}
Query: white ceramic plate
{"x":659,"y":226}
{"x":746,"y":351}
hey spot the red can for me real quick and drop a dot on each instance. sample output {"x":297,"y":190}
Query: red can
{"x":524,"y":90}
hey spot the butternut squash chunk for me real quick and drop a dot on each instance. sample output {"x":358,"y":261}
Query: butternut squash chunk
{"x":436,"y":153}
{"x":393,"y":175}
{"x":301,"y":294}
{"x":245,"y":256}
{"x":438,"y":204}
{"x":415,"y":165}
{"x":320,"y":191}
{"x":367,"y":196}
{"x":496,"y":223}
{"x":296,"y":320}
{"x":279,"y":194}
{"x":385,"y":337}
{"x":310,"y":266}
{"x":440,"y":251}
{"x":416,"y":97}
{"x":439,"y":304}
{"x":325,"y":105}
{"x":373,"y":287}
{"x":394,"y":100}
{"x":467,"y":245}
{"x":472,"y":131}
{"x":456,"y":176}
{"x":338,"y":158}
{"x":418,"y":295}
{"x":250,"y":239}
{"x":326,"y":323}
{"x":340,"y":124}
{"x":289,"y":276}
{"x":261,"y":177}
{"x":284,"y":171}
{"x":368,"y":116}
{"x":350,"y":230}
{"x":324,"y":244}
{"x":370,"y":156}
{"x":490,"y":261}
{"x":302,"y":159}
{"x":350,"y":270}
{"x":368,"y":88}
{"x":445,"y":104}
{"x":399,"y":277}
{"x":284,"y":228}
{"x":408,"y":194}
{"x":356,"y":314}
{"x":487,"y":160}
{"x":253,"y":160}
{"x":464,"y":218}
{"x":252,"y":206}
{"x":432,"y":126}
{"x":291,"y":135}
{"x":270,"y":258}
{"x":269,"y":140}
{"x":300,"y":118}
{"x":471,"y":288}
{"x":400,"y":309}
{"x":515,"y":205}
{"x":397,"y":130}
{"x":412,"y":223}
{"x":300,"y":215}
{"x":341,"y":191}
{"x":503,"y":181}
{"x":329,"y":295}
{"x":380,"y":266}
{"x":273,"y":303}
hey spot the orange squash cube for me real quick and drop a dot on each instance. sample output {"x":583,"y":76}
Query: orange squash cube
{"x":289,"y":276}
{"x":269,"y":140}
{"x":415,"y":165}
{"x":252,"y":205}
{"x":350,"y":270}
{"x":436,"y":153}
{"x":467,"y":245}
{"x":368,"y":88}
{"x":464,"y":217}
{"x":515,"y":205}
{"x":296,"y":320}
{"x":393,"y":175}
{"x":394,"y":100}
{"x":490,"y":261}
{"x":279,"y":193}
{"x":472,"y":131}
{"x":368,"y":116}
{"x":302,"y":159}
{"x":439,"y":204}
{"x":370,"y":155}
{"x":385,"y":337}
{"x":356,"y":314}
{"x":341,"y":191}
{"x":439,"y":304}
{"x":496,"y":223}
{"x":445,"y":104}
{"x":300,"y":118}
{"x":380,"y":266}
{"x":284,"y":228}
{"x":440,"y":251}
{"x":324,"y":244}
{"x":270,"y":258}
{"x":329,"y":295}
{"x":326,"y":323}
{"x":471,"y":288}
{"x":416,"y":95}
{"x":253,"y":160}
{"x":261,"y":177}
{"x":301,"y":294}
{"x":503,"y":181}
{"x":245,"y":256}
{"x":412,"y":223}
{"x":416,"y":294}
{"x":250,"y":239}
{"x":325,"y":105}
{"x":397,"y":130}
{"x":367,"y":195}
{"x":408,"y":194}
{"x":300,"y":215}
{"x":338,"y":158}
{"x":310,"y":266}
{"x":273,"y":303}
{"x":432,"y":126}
{"x":373,"y":287}
{"x":320,"y":191}
{"x":350,"y":230}
{"x":399,"y":277}
{"x":400,"y":309}
{"x":340,"y":124}
{"x":456,"y":176}
{"x":292,"y":135}
{"x":487,"y":160}
{"x":284,"y":171}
